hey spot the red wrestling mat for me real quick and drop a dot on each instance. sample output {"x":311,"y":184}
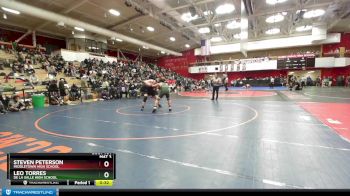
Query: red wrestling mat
{"x":335,"y":115}
{"x":229,"y":93}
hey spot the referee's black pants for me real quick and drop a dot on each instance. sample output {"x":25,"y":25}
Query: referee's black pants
{"x":215,"y":90}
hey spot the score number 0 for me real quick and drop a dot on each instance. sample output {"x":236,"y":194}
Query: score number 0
{"x":106,"y":164}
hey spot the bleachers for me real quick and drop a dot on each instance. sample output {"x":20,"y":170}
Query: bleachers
{"x":6,"y":56}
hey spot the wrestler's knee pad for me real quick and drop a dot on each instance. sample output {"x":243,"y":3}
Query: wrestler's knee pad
{"x":144,"y":98}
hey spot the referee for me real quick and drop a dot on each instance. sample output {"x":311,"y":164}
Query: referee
{"x":216,"y":83}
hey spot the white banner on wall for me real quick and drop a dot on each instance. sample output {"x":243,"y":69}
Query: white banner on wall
{"x":69,"y":55}
{"x":255,"y":64}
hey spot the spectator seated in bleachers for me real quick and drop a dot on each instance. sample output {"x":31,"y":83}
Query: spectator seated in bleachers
{"x":133,"y":92}
{"x":51,"y":71}
{"x":5,"y":101}
{"x":74,"y":93}
{"x":15,"y":104}
{"x":54,"y":94}
{"x":113,"y":92}
{"x":2,"y":108}
{"x":3,"y":104}
{"x":124,"y":90}
{"x":33,"y":79}
{"x":28,"y":69}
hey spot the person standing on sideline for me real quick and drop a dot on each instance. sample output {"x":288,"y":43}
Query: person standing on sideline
{"x":225,"y":81}
{"x":216,"y":83}
{"x":272,"y":82}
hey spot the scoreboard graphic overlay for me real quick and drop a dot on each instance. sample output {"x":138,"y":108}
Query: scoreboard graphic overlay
{"x":79,"y":169}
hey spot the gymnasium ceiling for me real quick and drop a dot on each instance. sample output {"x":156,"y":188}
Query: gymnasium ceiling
{"x":165,"y":16}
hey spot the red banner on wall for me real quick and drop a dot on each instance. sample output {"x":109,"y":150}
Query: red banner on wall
{"x":334,"y":49}
{"x":178,"y":64}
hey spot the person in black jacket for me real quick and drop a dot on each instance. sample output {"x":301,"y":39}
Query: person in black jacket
{"x":2,"y":106}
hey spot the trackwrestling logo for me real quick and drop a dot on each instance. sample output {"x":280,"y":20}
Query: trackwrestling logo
{"x":32,"y":192}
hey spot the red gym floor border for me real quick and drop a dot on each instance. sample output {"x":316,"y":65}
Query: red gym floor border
{"x":334,"y":115}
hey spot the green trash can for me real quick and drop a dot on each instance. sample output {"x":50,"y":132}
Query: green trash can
{"x":38,"y":101}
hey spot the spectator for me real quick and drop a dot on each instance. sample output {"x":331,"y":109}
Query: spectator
{"x":5,"y":101}
{"x":272,"y":82}
{"x":74,"y":93}
{"x":347,"y":81}
{"x":62,"y":89}
{"x":318,"y":81}
{"x":2,"y":106}
{"x":16,"y":105}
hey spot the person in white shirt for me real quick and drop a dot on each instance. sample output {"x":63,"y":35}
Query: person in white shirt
{"x":216,"y":83}
{"x":272,"y":82}
{"x":105,"y":84}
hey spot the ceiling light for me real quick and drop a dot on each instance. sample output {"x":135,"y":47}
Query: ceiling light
{"x":93,"y":47}
{"x":303,"y":28}
{"x":72,"y":32}
{"x":10,"y":10}
{"x":60,"y":24}
{"x":314,"y":13}
{"x":162,"y":52}
{"x":298,"y":11}
{"x":216,"y":39}
{"x":243,"y":35}
{"x":217,"y":24}
{"x":188,"y":17}
{"x":225,"y":9}
{"x":150,"y":29}
{"x":145,"y":47}
{"x":273,"y":31}
{"x":119,"y":40}
{"x":79,"y":28}
{"x":172,"y":39}
{"x":275,"y":18}
{"x":273,"y":2}
{"x":114,"y":12}
{"x":4,"y":16}
{"x":233,"y":25}
{"x":208,"y":12}
{"x":204,"y":30}
{"x":187,"y":46}
{"x":237,"y":36}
